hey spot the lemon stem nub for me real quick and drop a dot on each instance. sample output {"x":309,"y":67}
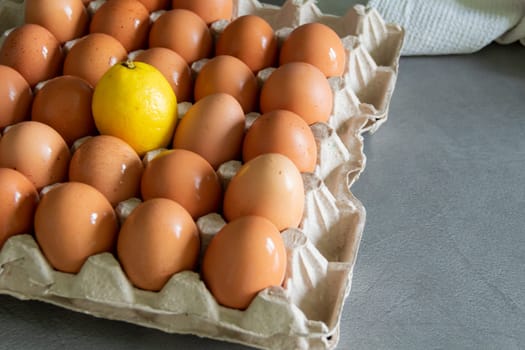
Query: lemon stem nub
{"x":129,"y":64}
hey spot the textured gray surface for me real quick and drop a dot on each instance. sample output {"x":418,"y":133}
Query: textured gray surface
{"x":442,"y":261}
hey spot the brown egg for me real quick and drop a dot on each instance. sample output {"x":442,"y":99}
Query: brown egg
{"x":282,"y":132}
{"x":251,"y":39}
{"x":214,"y":128}
{"x":74,"y":221}
{"x":317,"y":44}
{"x":108,"y":164}
{"x":92,"y":56}
{"x":183,"y":32}
{"x":209,"y":10}
{"x":155,"y":5}
{"x":18,"y":204}
{"x":173,"y":67}
{"x":229,"y":75}
{"x":125,"y":20}
{"x":66,"y":19}
{"x":184,"y":177}
{"x":15,"y":97}
{"x":301,"y":88}
{"x":269,"y":185}
{"x":157,"y":240}
{"x":33,"y":51}
{"x":64,"y":103}
{"x":246,"y":256}
{"x":37,"y":151}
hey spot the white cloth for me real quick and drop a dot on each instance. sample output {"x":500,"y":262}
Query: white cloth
{"x":436,"y":27}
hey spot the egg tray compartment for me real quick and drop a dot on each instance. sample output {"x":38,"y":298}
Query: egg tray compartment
{"x":305,"y":312}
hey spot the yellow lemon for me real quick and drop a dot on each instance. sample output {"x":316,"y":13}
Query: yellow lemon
{"x":134,"y":102}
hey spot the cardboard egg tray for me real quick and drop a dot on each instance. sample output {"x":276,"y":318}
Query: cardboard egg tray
{"x":303,"y":313}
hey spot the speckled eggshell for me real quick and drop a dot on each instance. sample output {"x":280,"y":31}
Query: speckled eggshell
{"x":125,"y":20}
{"x":301,"y":88}
{"x":18,"y":204}
{"x":92,"y":56}
{"x":158,"y":239}
{"x":108,"y":164}
{"x":229,"y":75}
{"x":173,"y":67}
{"x":283,"y":132}
{"x":64,"y":103}
{"x":155,"y":5}
{"x":185,"y":177}
{"x":246,"y":256}
{"x":214,"y":128}
{"x":269,"y":185}
{"x":317,"y":44}
{"x":15,"y":97}
{"x":252,"y":40}
{"x":66,"y":19}
{"x":72,"y":222}
{"x":33,"y":51}
{"x":37,"y":151}
{"x":183,"y":32}
{"x":209,"y":10}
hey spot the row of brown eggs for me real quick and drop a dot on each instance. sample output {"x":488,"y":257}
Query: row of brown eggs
{"x":248,"y":42}
{"x":213,"y":128}
{"x":311,"y":99}
{"x":69,"y":19}
{"x":269,"y":185}
{"x":74,"y":220}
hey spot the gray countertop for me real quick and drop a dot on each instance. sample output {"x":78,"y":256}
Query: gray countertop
{"x":442,"y":259}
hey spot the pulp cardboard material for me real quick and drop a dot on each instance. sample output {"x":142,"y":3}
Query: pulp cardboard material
{"x":303,"y":313}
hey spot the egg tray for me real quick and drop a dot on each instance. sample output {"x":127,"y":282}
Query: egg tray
{"x":303,"y":313}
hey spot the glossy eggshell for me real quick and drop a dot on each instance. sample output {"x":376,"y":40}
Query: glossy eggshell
{"x":157,"y":240}
{"x":173,"y":67}
{"x":64,"y":103}
{"x":209,"y":10}
{"x":229,"y":75}
{"x":18,"y":204}
{"x":317,"y":44}
{"x":155,"y":5}
{"x":183,"y":32}
{"x":110,"y":165}
{"x":214,"y":128}
{"x":15,"y":97}
{"x":92,"y":56}
{"x":33,"y":51}
{"x":301,"y":88}
{"x":74,"y":221}
{"x":283,"y":132}
{"x":252,"y":40}
{"x":246,"y":256}
{"x":125,"y":20}
{"x":37,"y":151}
{"x":269,"y":185}
{"x":66,"y":19}
{"x":184,"y":177}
